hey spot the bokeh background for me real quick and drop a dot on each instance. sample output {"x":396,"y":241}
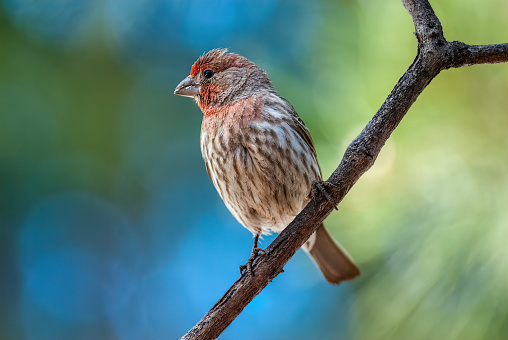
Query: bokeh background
{"x":111,"y":229}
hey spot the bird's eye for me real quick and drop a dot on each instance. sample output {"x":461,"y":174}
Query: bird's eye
{"x":208,"y":73}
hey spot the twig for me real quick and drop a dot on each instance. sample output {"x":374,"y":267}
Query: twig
{"x":435,"y":54}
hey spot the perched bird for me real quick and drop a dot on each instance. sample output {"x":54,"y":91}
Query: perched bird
{"x":259,"y":154}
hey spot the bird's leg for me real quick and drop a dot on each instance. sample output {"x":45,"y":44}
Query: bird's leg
{"x":319,"y":187}
{"x":255,"y":252}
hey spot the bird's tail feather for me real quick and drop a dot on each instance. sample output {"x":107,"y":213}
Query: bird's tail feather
{"x":333,"y":261}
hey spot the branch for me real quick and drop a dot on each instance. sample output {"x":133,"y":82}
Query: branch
{"x":435,"y":54}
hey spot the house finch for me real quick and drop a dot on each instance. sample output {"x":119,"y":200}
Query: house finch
{"x":259,"y":154}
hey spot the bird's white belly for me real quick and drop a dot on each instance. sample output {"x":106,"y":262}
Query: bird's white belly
{"x":264,"y":194}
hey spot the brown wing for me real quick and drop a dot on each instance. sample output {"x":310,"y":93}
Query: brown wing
{"x":299,"y":126}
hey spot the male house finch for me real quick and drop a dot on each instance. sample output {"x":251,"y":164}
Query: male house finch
{"x":259,"y":154}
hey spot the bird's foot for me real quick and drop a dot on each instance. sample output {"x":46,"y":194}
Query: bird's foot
{"x":246,"y":269}
{"x":320,"y":187}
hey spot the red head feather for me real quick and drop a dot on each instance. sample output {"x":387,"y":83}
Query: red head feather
{"x":218,"y":60}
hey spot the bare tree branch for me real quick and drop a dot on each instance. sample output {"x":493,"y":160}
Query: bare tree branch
{"x":435,"y":54}
{"x":466,"y":55}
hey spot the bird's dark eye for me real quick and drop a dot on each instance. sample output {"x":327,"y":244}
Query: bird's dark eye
{"x":208,"y":73}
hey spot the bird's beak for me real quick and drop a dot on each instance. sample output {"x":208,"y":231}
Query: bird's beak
{"x":187,"y":88}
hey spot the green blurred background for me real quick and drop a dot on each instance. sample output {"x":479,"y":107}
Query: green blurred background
{"x":111,"y":229}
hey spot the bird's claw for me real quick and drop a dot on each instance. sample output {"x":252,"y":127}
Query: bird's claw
{"x":319,"y":187}
{"x":247,"y":267}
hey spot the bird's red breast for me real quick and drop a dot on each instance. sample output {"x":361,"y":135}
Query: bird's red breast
{"x":232,"y":116}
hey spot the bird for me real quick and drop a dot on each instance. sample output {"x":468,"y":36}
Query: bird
{"x":259,"y":155}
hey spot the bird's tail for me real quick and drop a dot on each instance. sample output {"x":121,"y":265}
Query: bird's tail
{"x":334,"y":262}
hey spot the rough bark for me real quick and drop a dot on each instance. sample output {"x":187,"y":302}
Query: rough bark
{"x":435,"y":54}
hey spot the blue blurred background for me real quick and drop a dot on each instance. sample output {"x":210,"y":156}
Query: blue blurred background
{"x":111,"y":229}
